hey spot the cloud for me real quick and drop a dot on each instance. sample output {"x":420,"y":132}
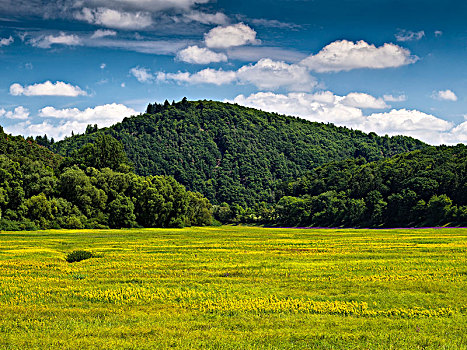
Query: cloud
{"x":65,"y":8}
{"x":273,"y":74}
{"x":104,"y":38}
{"x":273,"y":23}
{"x":406,"y":122}
{"x":329,"y":108}
{"x":47,"y":88}
{"x":139,"y":14}
{"x":269,"y":74}
{"x":145,"y":5}
{"x":391,"y":98}
{"x":143,"y":75}
{"x":346,"y":55}
{"x":47,"y":41}
{"x":115,"y":19}
{"x":109,"y":113}
{"x":459,"y":133}
{"x":6,"y":41}
{"x":321,"y":106}
{"x":101,"y":33}
{"x":206,"y":76}
{"x":408,"y":35}
{"x":18,"y":113}
{"x":198,"y":55}
{"x":102,"y":66}
{"x":207,"y":18}
{"x":361,"y":100}
{"x":61,"y":122}
{"x":158,"y":47}
{"x":255,"y":53}
{"x":234,"y":35}
{"x":265,"y":74}
{"x":444,"y":95}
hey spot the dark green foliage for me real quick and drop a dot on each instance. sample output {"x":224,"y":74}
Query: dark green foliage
{"x":199,"y":210}
{"x":103,"y":152}
{"x":230,"y":153}
{"x":74,"y":194}
{"x":79,"y":255}
{"x":420,"y":188}
{"x":121,"y":212}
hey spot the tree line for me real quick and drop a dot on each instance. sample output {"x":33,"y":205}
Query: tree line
{"x":93,"y":188}
{"x":421,"y":188}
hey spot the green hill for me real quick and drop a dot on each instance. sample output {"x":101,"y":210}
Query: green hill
{"x":235,"y":154}
{"x":19,"y":149}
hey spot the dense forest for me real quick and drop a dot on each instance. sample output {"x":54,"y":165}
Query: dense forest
{"x":96,"y":189}
{"x":233,"y":154}
{"x":420,"y":188}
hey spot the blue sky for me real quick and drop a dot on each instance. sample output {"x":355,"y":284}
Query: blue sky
{"x":391,"y":67}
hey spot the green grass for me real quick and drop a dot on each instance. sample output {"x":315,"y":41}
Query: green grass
{"x":234,"y":288}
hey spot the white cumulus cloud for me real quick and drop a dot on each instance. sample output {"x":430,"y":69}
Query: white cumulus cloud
{"x":200,"y":55}
{"x":18,"y":113}
{"x":265,"y":74}
{"x":115,"y":19}
{"x":444,"y":95}
{"x":143,"y":75}
{"x":109,"y":113}
{"x":61,"y":122}
{"x":269,"y":74}
{"x":458,"y":134}
{"x":47,"y":88}
{"x":408,"y":122}
{"x":361,"y":100}
{"x":344,"y":55}
{"x":206,"y":76}
{"x":392,"y":98}
{"x":207,"y":18}
{"x":6,"y":41}
{"x":230,"y":36}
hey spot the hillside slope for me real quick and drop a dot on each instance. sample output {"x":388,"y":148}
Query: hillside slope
{"x":235,"y":154}
{"x":22,"y":150}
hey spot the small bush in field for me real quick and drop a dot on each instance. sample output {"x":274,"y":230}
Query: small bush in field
{"x":78,"y":255}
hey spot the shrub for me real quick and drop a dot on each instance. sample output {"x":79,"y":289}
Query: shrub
{"x":79,"y":255}
{"x":8,"y":225}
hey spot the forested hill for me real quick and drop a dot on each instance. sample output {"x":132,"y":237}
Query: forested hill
{"x":19,"y":149}
{"x":235,"y":154}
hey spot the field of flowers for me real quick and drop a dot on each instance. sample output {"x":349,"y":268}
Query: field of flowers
{"x":234,"y":288}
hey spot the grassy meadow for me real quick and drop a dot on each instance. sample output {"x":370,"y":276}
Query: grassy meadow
{"x":234,"y":288}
